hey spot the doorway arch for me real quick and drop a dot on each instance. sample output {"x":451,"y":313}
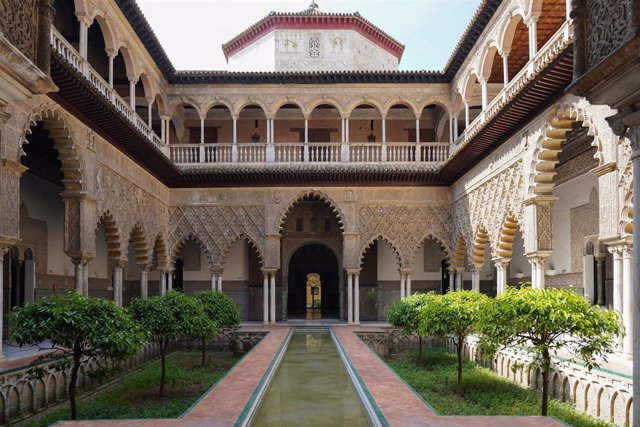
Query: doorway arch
{"x":313,"y":257}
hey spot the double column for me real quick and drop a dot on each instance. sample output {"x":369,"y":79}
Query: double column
{"x":502,"y":267}
{"x":623,"y":291}
{"x":538,"y":261}
{"x":269,"y":296}
{"x":405,"y":282}
{"x":353,"y":297}
{"x":216,"y":280}
{"x":475,"y":276}
{"x":81,"y":267}
{"x":118,"y":280}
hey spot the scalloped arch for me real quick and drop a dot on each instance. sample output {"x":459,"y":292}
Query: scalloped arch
{"x":225,"y":251}
{"x":309,"y":194}
{"x":545,"y":156}
{"x":60,"y":132}
{"x":370,"y":243}
{"x":177,"y":246}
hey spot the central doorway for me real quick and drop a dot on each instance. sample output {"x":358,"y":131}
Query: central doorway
{"x":309,"y":259}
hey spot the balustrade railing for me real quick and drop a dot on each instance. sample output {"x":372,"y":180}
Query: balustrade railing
{"x":73,"y":58}
{"x":547,"y":53}
{"x":318,"y":152}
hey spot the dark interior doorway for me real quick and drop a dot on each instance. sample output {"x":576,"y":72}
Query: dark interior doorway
{"x":313,"y":258}
{"x":178,"y":276}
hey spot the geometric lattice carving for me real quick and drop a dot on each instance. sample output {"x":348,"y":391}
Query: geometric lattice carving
{"x":489,"y":205}
{"x":404,"y":227}
{"x":217,"y":228}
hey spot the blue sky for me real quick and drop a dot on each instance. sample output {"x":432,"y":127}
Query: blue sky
{"x":192,"y":31}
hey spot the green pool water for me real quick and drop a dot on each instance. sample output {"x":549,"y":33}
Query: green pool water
{"x":311,"y":387}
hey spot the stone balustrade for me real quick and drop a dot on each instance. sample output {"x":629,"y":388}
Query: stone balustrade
{"x":256,"y":153}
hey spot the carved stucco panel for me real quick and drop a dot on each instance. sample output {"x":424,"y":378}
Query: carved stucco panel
{"x":217,"y":228}
{"x":404,"y":226}
{"x":129,"y":205}
{"x":487,"y":206}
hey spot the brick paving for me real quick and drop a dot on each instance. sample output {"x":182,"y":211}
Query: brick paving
{"x":399,"y":405}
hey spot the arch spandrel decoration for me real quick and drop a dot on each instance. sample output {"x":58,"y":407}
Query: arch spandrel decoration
{"x":407,"y":224}
{"x":487,"y":205}
{"x":130,"y":206}
{"x":217,"y":227}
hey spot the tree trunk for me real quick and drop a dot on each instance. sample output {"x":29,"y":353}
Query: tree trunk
{"x":459,"y":351}
{"x":546,"y":364}
{"x":419,"y":350}
{"x":203,"y":350}
{"x":72,"y":383}
{"x":162,"y":372}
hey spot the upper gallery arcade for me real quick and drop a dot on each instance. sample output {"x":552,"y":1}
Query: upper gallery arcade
{"x":143,"y":177}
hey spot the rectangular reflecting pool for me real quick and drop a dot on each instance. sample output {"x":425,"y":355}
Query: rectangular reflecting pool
{"x":311,"y":387}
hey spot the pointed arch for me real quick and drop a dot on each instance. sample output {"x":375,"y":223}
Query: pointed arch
{"x":310,"y":194}
{"x":459,"y":253}
{"x":389,"y":241}
{"x":139,"y":239}
{"x":439,"y":241}
{"x":60,"y":132}
{"x":114,"y":243}
{"x":229,"y":244}
{"x":160,"y":252}
{"x":626,"y":218}
{"x":507,"y":236}
{"x":479,"y":246}
{"x":177,"y":246}
{"x":545,"y":156}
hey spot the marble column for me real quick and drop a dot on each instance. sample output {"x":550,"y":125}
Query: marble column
{"x":144,"y":281}
{"x":214,"y":280}
{"x":505,"y":68}
{"x":600,"y":278}
{"x":85,"y":277}
{"x":219,"y":287}
{"x":163,"y":282}
{"x":356,"y":298}
{"x":459,"y":281}
{"x":265,"y":298}
{"x":3,"y":251}
{"x":485,"y":96}
{"x":132,"y":92}
{"x":272,"y":294}
{"x":627,"y":300}
{"x":169,"y":280}
{"x":408,"y":284}
{"x":403,"y":292}
{"x":349,"y":298}
{"x":79,"y":275}
{"x":475,"y":277}
{"x":118,"y":268}
{"x":502,"y":267}
{"x":452,"y":277}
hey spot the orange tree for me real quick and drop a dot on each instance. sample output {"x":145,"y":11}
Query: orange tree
{"x":221,"y":310}
{"x":168,"y":318}
{"x":406,"y":315}
{"x":77,"y":328}
{"x":453,"y":315}
{"x":543,"y":321}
